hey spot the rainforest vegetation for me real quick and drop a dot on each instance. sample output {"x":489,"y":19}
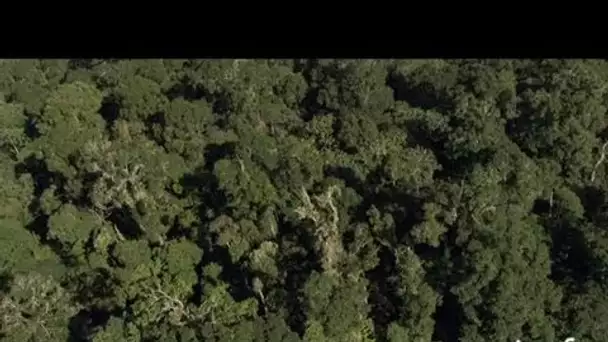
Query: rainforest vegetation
{"x":303,"y":200}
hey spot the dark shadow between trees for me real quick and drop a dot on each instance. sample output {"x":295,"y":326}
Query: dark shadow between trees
{"x":297,"y":265}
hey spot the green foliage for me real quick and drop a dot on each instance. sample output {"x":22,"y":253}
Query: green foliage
{"x":187,"y":125}
{"x":303,"y":200}
{"x":352,"y":84}
{"x":117,"y":330}
{"x":416,"y":323}
{"x":12,"y":131}
{"x":72,"y":228}
{"x":69,"y":120}
{"x":337,"y":311}
{"x":35,"y":309}
{"x":245,"y":183}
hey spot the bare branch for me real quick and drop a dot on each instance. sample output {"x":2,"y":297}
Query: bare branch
{"x":243,"y":169}
{"x":599,"y":162}
{"x":15,"y":149}
{"x":118,"y":233}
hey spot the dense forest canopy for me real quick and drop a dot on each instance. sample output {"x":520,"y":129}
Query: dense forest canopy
{"x":303,"y":200}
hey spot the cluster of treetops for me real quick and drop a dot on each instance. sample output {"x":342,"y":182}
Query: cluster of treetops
{"x":303,"y":200}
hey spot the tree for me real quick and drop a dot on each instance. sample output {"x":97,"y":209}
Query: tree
{"x":36,"y":309}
